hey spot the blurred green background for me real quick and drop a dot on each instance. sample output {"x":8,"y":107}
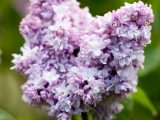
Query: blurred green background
{"x":143,"y":105}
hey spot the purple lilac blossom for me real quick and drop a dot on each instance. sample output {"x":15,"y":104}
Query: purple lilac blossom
{"x":74,"y":61}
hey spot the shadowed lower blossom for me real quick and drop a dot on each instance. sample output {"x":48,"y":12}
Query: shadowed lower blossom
{"x":107,"y":108}
{"x":74,"y":61}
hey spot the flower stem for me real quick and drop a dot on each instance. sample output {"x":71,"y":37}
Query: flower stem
{"x":84,"y":116}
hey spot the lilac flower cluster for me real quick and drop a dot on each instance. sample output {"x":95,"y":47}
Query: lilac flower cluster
{"x":74,"y":61}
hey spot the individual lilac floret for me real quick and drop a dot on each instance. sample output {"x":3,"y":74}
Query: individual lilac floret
{"x":75,"y":62}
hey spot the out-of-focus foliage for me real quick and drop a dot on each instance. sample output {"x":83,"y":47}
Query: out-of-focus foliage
{"x":5,"y":116}
{"x":143,"y":105}
{"x":142,"y":99}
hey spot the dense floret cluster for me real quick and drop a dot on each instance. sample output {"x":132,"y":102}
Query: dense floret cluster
{"x":74,"y":61}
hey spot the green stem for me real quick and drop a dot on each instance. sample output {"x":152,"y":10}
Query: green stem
{"x":84,"y":116}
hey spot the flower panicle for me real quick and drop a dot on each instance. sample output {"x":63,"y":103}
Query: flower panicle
{"x":74,"y":61}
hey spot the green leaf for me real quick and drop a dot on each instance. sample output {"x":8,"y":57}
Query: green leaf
{"x":152,"y":61}
{"x":5,"y":116}
{"x":143,"y":99}
{"x":139,"y":112}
